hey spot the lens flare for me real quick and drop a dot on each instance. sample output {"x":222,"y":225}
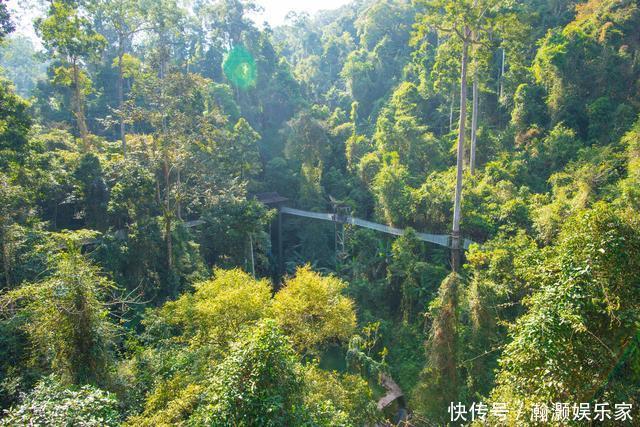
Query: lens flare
{"x":240,"y":68}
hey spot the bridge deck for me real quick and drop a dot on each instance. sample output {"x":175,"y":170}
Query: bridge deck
{"x":438,"y":239}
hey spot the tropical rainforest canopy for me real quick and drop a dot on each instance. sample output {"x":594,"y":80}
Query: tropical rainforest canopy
{"x":143,"y":281}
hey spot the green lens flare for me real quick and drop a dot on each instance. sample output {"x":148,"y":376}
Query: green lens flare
{"x":240,"y":68}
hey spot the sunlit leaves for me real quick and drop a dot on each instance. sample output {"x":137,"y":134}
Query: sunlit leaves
{"x":66,"y":320}
{"x":220,"y":307}
{"x":312,"y":311}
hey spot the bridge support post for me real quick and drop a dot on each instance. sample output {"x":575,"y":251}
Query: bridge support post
{"x":455,"y":251}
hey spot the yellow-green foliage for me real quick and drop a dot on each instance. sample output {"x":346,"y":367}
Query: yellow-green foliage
{"x":66,"y":321}
{"x":170,"y":404}
{"x":574,"y":189}
{"x":348,"y":396}
{"x":219,"y":307}
{"x":369,"y":167}
{"x":631,"y":185}
{"x":312,"y":311}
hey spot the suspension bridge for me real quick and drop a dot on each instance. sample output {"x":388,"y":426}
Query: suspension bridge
{"x":438,"y":239}
{"x":341,"y":217}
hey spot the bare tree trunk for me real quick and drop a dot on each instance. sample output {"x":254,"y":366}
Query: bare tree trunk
{"x":178,"y":194}
{"x":165,"y":157}
{"x":79,"y":107}
{"x":474,"y":121}
{"x":167,"y":211}
{"x":253,"y":261}
{"x":451,"y":112}
{"x":120,"y":89}
{"x":455,"y":232}
{"x":169,"y":240}
{"x":474,"y":113}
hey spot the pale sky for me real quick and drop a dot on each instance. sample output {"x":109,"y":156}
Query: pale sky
{"x":275,"y":10}
{"x":23,"y":11}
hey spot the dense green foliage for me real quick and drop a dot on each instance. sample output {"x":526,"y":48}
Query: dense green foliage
{"x":50,"y":403}
{"x":144,"y":283}
{"x":583,"y":313}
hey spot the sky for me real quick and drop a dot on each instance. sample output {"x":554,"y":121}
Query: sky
{"x":23,"y":11}
{"x":275,"y":10}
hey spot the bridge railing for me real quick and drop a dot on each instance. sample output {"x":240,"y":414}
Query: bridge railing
{"x":438,"y":239}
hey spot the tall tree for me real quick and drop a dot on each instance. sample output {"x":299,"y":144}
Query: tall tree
{"x":465,"y":20}
{"x":496,"y":22}
{"x":474,"y":118}
{"x":166,"y":18}
{"x":454,"y":18}
{"x":71,"y":41}
{"x":125,"y":18}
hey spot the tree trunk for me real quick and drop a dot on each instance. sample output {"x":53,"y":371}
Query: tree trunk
{"x":253,"y":261}
{"x":169,"y":241}
{"x":120,"y":88}
{"x":167,"y":211}
{"x":165,"y":157}
{"x":79,"y":107}
{"x":178,"y":194}
{"x":451,"y":112}
{"x":455,"y":232}
{"x":474,"y":121}
{"x":474,"y":113}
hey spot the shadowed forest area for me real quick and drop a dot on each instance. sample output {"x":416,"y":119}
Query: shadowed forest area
{"x":146,"y":279}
